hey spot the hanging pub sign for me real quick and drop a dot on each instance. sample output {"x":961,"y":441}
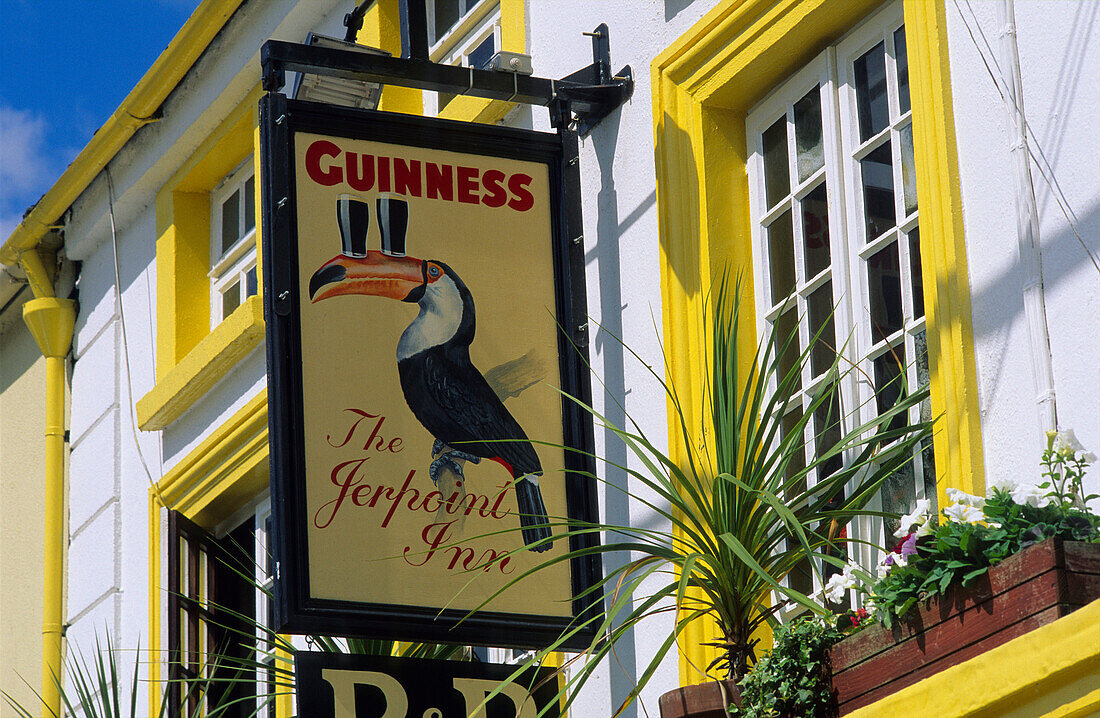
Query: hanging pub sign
{"x":333,"y":685}
{"x":418,"y":284}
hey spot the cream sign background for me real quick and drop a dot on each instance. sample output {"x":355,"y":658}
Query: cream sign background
{"x":379,"y":529}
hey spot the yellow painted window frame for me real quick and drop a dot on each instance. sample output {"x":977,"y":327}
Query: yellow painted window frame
{"x":703,"y":86}
{"x":223,"y":473}
{"x":513,"y":38}
{"x":192,"y":357}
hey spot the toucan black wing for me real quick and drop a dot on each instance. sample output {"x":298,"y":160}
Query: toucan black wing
{"x":450,"y":397}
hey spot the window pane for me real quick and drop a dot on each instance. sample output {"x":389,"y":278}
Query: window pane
{"x":878,"y":191}
{"x":915,"y":269}
{"x":481,"y":54}
{"x":781,"y":257}
{"x":889,"y":383}
{"x":827,"y":420}
{"x":250,"y":283}
{"x":807,"y":134}
{"x":899,"y":496}
{"x":820,"y":308}
{"x":908,"y":171}
{"x":250,"y":205}
{"x":798,"y":458}
{"x":786,"y":328}
{"x":903,"y":69}
{"x":884,"y":292}
{"x":815,"y":231}
{"x":446,"y":15}
{"x":777,"y":183}
{"x":871,"y":102}
{"x":231,"y":221}
{"x":231,"y":298}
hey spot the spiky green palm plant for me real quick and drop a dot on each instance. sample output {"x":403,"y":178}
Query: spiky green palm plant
{"x":744,"y":511}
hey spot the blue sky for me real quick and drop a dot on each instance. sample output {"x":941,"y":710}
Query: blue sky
{"x":65,"y":65}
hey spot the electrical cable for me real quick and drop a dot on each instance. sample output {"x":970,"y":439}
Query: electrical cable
{"x":1046,"y":171}
{"x":125,"y":341}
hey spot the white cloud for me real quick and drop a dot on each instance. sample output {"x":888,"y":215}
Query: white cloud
{"x":29,"y":163}
{"x":24,"y":164}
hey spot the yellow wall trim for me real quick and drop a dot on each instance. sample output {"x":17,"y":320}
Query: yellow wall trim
{"x":225,"y":471}
{"x":1051,"y":671}
{"x":209,"y":361}
{"x":954,"y":373}
{"x":703,"y":86}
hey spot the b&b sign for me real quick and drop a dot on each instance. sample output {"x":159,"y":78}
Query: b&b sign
{"x":343,"y":686}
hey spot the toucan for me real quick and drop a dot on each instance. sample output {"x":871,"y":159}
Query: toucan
{"x":442,"y":387}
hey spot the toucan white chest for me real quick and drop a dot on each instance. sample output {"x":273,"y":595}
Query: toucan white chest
{"x":438,"y":321}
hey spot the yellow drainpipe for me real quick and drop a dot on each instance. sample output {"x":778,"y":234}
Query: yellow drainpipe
{"x":50,"y":321}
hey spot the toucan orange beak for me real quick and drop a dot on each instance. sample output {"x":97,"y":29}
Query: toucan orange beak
{"x":376,"y":274}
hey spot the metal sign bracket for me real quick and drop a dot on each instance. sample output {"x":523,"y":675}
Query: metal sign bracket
{"x":589,"y":95}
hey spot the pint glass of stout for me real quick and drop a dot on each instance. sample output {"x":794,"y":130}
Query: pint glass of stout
{"x":393,"y":221}
{"x":353,"y":214}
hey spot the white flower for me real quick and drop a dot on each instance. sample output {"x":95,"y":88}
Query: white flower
{"x":839,"y":583}
{"x":1029,"y":495}
{"x":1066,"y":443}
{"x":919,"y":517}
{"x":882,"y":570}
{"x":1003,"y":483}
{"x":900,"y":560}
{"x":1088,"y":457}
{"x":965,"y":499}
{"x":964,"y":514}
{"x":925,"y":529}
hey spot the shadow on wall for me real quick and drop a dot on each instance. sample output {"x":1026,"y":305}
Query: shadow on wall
{"x":998,"y":307}
{"x":675,"y":7}
{"x":607,"y":337}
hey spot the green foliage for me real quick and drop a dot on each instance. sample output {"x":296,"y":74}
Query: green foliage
{"x":742,"y":513}
{"x":956,"y":553}
{"x":792,"y":680}
{"x":97,"y":692}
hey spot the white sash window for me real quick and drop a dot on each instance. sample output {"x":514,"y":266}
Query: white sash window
{"x":836,"y":243}
{"x":232,"y":242}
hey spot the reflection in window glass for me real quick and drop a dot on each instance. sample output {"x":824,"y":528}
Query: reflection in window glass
{"x":878,"y":191}
{"x":250,"y":204}
{"x":889,"y":383}
{"x":231,"y":299}
{"x":789,"y":348}
{"x":446,"y":15}
{"x":820,"y":308}
{"x":231,"y":220}
{"x":815,"y":231}
{"x":903,"y":69}
{"x":776,"y":181}
{"x":250,"y":282}
{"x":884,"y":290}
{"x":781,"y":257}
{"x":871,"y":101}
{"x":908,"y":170}
{"x":827,"y":420}
{"x":917,"y":277}
{"x":807,"y":134}
{"x":479,"y":57}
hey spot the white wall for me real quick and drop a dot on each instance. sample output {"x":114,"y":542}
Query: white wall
{"x":112,"y":464}
{"x":618,"y":187}
{"x":1059,"y":47}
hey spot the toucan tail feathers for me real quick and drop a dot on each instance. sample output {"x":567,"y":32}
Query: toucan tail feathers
{"x":533,"y":520}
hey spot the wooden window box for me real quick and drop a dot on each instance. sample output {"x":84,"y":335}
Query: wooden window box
{"x":1035,"y":587}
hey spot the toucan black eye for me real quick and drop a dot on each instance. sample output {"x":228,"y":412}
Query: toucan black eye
{"x":433,"y":271}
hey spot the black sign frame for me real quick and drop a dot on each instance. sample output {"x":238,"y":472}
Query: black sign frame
{"x":295,"y":609}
